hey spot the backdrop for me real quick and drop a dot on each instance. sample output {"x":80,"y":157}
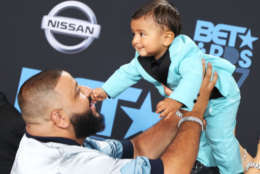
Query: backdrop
{"x":91,"y":39}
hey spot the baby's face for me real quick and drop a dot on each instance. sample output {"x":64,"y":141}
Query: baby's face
{"x":148,"y":37}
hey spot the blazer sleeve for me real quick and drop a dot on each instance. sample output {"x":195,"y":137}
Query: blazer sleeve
{"x":126,"y":76}
{"x":188,"y":88}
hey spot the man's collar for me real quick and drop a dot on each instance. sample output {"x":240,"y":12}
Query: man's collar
{"x":53,"y":139}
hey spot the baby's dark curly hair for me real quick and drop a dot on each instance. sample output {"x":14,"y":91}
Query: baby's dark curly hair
{"x":163,"y":12}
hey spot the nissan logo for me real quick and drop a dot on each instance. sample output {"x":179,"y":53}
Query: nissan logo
{"x":88,"y":30}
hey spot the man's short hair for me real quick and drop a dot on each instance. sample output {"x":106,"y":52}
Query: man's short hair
{"x":163,"y":12}
{"x":36,"y":92}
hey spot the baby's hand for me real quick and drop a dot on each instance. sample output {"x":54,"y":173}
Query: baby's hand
{"x":167,"y":90}
{"x":98,"y":94}
{"x":167,"y":107}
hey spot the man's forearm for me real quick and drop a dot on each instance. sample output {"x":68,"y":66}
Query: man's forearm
{"x":153,"y":142}
{"x":181,"y":154}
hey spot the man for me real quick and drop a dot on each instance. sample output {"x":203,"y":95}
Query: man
{"x":12,"y":128}
{"x":59,"y":116}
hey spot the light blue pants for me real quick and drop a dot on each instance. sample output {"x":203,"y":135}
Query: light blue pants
{"x":218,"y":144}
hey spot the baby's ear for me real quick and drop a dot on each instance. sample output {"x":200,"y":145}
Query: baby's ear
{"x":169,"y":37}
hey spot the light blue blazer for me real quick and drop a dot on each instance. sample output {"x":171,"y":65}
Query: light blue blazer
{"x":184,"y":76}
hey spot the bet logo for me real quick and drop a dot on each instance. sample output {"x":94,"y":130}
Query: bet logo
{"x":235,"y":43}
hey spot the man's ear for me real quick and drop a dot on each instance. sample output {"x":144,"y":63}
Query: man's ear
{"x":168,"y":38}
{"x":60,"y":119}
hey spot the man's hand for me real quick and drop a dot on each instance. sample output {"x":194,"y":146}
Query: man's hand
{"x":167,"y":107}
{"x":98,"y":94}
{"x":248,"y":159}
{"x":205,"y":90}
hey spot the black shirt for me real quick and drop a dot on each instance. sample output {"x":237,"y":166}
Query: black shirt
{"x":158,"y":69}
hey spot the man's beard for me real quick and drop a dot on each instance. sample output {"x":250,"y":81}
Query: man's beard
{"x":87,"y":124}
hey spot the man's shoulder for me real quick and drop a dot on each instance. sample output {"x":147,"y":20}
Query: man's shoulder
{"x":34,"y":155}
{"x":31,"y":148}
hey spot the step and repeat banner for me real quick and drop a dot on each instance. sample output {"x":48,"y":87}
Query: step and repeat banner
{"x":92,"y":38}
